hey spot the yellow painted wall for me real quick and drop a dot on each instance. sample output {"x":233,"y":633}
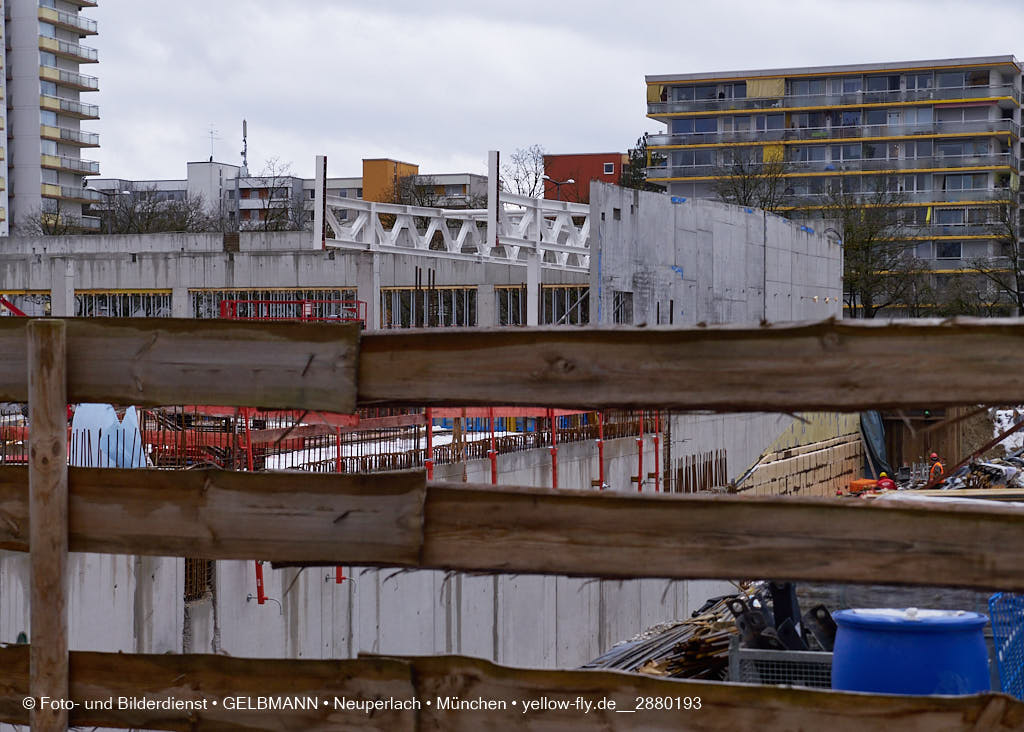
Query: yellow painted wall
{"x":380,"y":176}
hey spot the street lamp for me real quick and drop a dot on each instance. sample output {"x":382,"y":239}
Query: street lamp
{"x":558,"y":185}
{"x":110,"y":208}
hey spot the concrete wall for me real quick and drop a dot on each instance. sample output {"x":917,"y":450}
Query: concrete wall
{"x":694,"y":261}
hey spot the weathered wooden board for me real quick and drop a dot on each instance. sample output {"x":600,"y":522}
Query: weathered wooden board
{"x":830,"y":365}
{"x":391,"y":519}
{"x":436,"y":682}
{"x":227,"y":515}
{"x":48,"y":519}
{"x":527,"y":530}
{"x":154,"y":361}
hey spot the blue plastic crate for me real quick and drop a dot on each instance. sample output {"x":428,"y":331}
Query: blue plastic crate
{"x":1007,"y":614}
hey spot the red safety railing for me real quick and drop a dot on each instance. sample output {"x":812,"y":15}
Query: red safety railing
{"x":321,"y":311}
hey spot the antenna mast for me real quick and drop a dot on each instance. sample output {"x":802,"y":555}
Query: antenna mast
{"x":245,"y":148}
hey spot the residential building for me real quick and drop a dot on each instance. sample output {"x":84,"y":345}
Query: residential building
{"x":943,"y":134}
{"x":580,"y":169}
{"x":45,"y":110}
{"x":233,"y":196}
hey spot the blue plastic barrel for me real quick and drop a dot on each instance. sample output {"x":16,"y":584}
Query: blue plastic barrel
{"x":910,"y":651}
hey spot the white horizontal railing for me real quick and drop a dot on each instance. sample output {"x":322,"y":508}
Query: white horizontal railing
{"x":558,"y":231}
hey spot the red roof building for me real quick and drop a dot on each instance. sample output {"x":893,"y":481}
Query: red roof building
{"x":580,"y":168}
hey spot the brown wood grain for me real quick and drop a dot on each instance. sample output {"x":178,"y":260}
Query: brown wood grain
{"x":830,"y":365}
{"x":391,"y":519}
{"x":155,"y":361}
{"x":48,"y":519}
{"x":230,"y":515}
{"x":723,"y":707}
{"x":534,"y":530}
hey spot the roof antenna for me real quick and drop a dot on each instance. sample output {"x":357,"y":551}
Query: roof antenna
{"x":245,"y":148}
{"x":213,"y":137}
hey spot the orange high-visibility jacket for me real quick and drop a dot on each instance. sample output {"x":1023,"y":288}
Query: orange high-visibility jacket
{"x":936,"y":471}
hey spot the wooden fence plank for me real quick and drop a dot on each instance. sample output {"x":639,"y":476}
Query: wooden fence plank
{"x":831,"y":365}
{"x":226,"y":515}
{"x":48,"y":519}
{"x":520,"y":530}
{"x":157,"y":361}
{"x":723,"y":707}
{"x":382,"y":520}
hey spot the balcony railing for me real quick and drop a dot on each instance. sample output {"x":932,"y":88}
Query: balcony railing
{"x":790,"y":101}
{"x":88,"y":139}
{"x":79,"y":109}
{"x":821,"y":134}
{"x":933,"y":161}
{"x":80,"y":194}
{"x":77,"y":51}
{"x":80,"y":22}
{"x":91,"y":222}
{"x":83,"y":82}
{"x":799,"y":200}
{"x":78,"y":165}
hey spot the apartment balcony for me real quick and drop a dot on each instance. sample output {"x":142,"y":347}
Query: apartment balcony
{"x":73,"y":51}
{"x":823,"y":134}
{"x":71,"y":193}
{"x":68,"y":21}
{"x":817,"y":200}
{"x":70,"y":164}
{"x":91,"y":223}
{"x":70,"y":107}
{"x":82,"y":82}
{"x":71,"y":137}
{"x":943,"y":162}
{"x":951,"y":231}
{"x":791,"y":101}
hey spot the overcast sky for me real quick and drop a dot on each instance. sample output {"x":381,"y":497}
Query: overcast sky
{"x":441,"y":82}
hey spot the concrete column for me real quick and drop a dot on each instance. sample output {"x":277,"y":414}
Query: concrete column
{"x":486,"y":307}
{"x":62,"y":288}
{"x":320,"y":203}
{"x":493,"y":201}
{"x":181,"y":303}
{"x":533,"y":259}
{"x":368,"y":286}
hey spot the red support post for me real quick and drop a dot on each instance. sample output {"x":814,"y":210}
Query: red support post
{"x":337,"y":458}
{"x":640,"y":456}
{"x":554,"y":449}
{"x":261,"y":597}
{"x":428,"y":463}
{"x":600,"y":450}
{"x":657,"y":456}
{"x":492,"y":454}
{"x":248,"y":438}
{"x":339,"y":575}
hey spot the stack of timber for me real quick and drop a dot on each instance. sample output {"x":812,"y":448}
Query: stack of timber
{"x":697,"y":648}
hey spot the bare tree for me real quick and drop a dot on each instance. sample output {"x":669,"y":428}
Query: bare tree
{"x":416,"y":190}
{"x":48,"y":223}
{"x":148,"y":210}
{"x":1005,"y":270}
{"x":281,"y":204}
{"x":746,"y":181}
{"x":523,"y":172}
{"x":968,"y":293}
{"x":880,"y":268}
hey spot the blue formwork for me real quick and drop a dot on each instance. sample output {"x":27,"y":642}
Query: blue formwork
{"x":1007,"y":613}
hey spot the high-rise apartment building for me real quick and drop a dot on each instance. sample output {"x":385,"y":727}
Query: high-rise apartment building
{"x":943,"y":134}
{"x":44,"y":142}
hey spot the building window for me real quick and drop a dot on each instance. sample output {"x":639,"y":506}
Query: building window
{"x":47,"y":117}
{"x":565,"y":305}
{"x":948,"y":249}
{"x":437,"y":307}
{"x":326,"y":303}
{"x":123,"y":305}
{"x":609,"y":168}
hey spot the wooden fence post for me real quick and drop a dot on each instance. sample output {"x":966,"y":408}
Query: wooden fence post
{"x":48,"y":520}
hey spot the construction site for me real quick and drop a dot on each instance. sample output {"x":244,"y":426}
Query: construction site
{"x":335,"y":430}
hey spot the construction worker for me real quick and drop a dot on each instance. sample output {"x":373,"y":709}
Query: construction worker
{"x":885,"y":483}
{"x":936,"y":472}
